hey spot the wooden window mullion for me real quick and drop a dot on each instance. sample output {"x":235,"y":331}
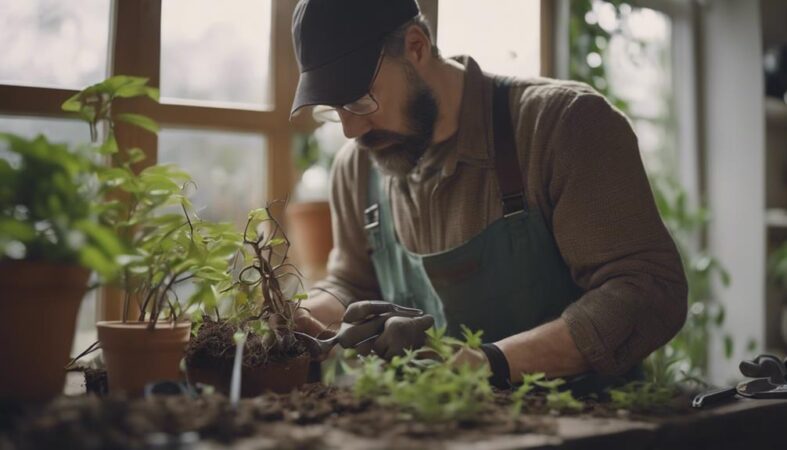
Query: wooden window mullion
{"x":135,"y":50}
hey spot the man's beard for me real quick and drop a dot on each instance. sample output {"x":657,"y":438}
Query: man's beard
{"x":397,"y":154}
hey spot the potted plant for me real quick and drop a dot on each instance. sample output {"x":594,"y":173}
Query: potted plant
{"x":51,"y":238}
{"x":259,"y":303}
{"x":309,"y":217}
{"x":168,"y":244}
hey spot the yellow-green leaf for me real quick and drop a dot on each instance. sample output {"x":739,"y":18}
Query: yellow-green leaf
{"x":139,"y":120}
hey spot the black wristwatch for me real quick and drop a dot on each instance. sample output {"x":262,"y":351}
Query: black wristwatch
{"x":501,"y":373}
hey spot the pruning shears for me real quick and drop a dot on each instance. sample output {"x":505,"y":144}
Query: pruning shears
{"x":320,"y":347}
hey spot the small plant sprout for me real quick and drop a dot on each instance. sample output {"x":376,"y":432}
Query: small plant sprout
{"x":240,"y":341}
{"x":559,"y":401}
{"x":642,"y":396}
{"x":425,"y":388}
{"x":529,"y":381}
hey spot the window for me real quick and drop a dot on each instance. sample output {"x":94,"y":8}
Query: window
{"x":69,"y":44}
{"x":626,"y":53}
{"x":216,"y":52}
{"x":503,"y":36}
{"x":228,"y":168}
{"x":639,"y":72}
{"x":226,"y":73}
{"x":227,"y":76}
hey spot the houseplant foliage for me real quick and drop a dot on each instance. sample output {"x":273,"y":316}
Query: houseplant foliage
{"x":51,"y":237}
{"x":424,"y":384}
{"x":168,"y":244}
{"x":309,"y":217}
{"x":686,"y":356}
{"x":259,"y":301}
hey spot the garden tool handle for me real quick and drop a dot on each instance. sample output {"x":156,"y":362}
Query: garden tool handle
{"x":713,"y":396}
{"x":397,"y":311}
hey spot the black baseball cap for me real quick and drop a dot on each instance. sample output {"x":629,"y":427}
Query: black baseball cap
{"x":338,"y":44}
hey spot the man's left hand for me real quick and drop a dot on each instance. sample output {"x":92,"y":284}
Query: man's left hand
{"x":475,"y":358}
{"x":401,"y":333}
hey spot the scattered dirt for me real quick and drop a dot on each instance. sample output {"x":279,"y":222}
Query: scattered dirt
{"x":114,"y":422}
{"x":214,"y":347}
{"x":96,"y":381}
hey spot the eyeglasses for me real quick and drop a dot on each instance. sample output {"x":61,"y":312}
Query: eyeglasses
{"x":363,"y":106}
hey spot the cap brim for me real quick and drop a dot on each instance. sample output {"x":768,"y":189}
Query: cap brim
{"x":340,"y":82}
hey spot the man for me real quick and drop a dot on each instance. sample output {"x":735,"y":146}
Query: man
{"x":519,"y":207}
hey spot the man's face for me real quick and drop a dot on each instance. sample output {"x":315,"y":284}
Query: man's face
{"x":401,"y":129}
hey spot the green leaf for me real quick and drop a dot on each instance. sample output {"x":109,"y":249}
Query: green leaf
{"x":728,"y":346}
{"x":136,"y":155}
{"x":139,"y":120}
{"x":110,"y":146}
{"x":73,"y":104}
{"x":276,"y":242}
{"x":259,"y":214}
{"x":93,"y":258}
{"x":13,"y":229}
{"x":720,"y":315}
{"x":132,"y":90}
{"x":102,"y":236}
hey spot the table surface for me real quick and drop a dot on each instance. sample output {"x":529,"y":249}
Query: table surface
{"x":737,"y":424}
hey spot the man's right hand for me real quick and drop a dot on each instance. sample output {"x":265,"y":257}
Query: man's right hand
{"x":305,"y":322}
{"x":366,"y":319}
{"x":320,"y":315}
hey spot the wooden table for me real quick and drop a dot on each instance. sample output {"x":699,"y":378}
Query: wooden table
{"x":743,"y":424}
{"x":738,"y":424}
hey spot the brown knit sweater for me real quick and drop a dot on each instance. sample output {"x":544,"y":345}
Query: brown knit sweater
{"x":581,"y":164}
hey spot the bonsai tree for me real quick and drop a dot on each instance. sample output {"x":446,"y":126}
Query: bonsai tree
{"x":260,"y":301}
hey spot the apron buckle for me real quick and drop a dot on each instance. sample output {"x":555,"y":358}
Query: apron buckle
{"x":513,"y":204}
{"x":371,"y":217}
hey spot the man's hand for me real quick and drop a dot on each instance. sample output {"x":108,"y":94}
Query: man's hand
{"x":467,"y":356}
{"x":362,"y":321}
{"x":365,"y":319}
{"x":318,"y":316}
{"x":305,"y":322}
{"x":402,"y":333}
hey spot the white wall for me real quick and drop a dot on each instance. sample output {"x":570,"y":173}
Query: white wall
{"x":734,"y":136}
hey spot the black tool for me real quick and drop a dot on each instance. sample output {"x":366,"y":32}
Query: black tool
{"x":770,"y":381}
{"x":765,"y":366}
{"x":713,"y":396}
{"x":762,"y":388}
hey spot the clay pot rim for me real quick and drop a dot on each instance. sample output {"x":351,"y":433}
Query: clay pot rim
{"x":142,"y":325}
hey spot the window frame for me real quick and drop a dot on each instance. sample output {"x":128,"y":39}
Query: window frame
{"x":135,"y":49}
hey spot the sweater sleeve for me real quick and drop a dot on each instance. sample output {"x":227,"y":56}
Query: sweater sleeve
{"x":351,"y":275}
{"x":610,"y":234}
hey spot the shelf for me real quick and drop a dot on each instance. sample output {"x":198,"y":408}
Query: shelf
{"x":775,"y":112}
{"x":776,"y":217}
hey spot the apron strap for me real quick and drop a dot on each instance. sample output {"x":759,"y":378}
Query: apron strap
{"x":509,"y":174}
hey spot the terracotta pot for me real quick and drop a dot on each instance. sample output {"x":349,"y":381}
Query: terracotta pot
{"x":309,"y":229}
{"x":135,"y":356}
{"x":39,"y":303}
{"x":280,"y":377}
